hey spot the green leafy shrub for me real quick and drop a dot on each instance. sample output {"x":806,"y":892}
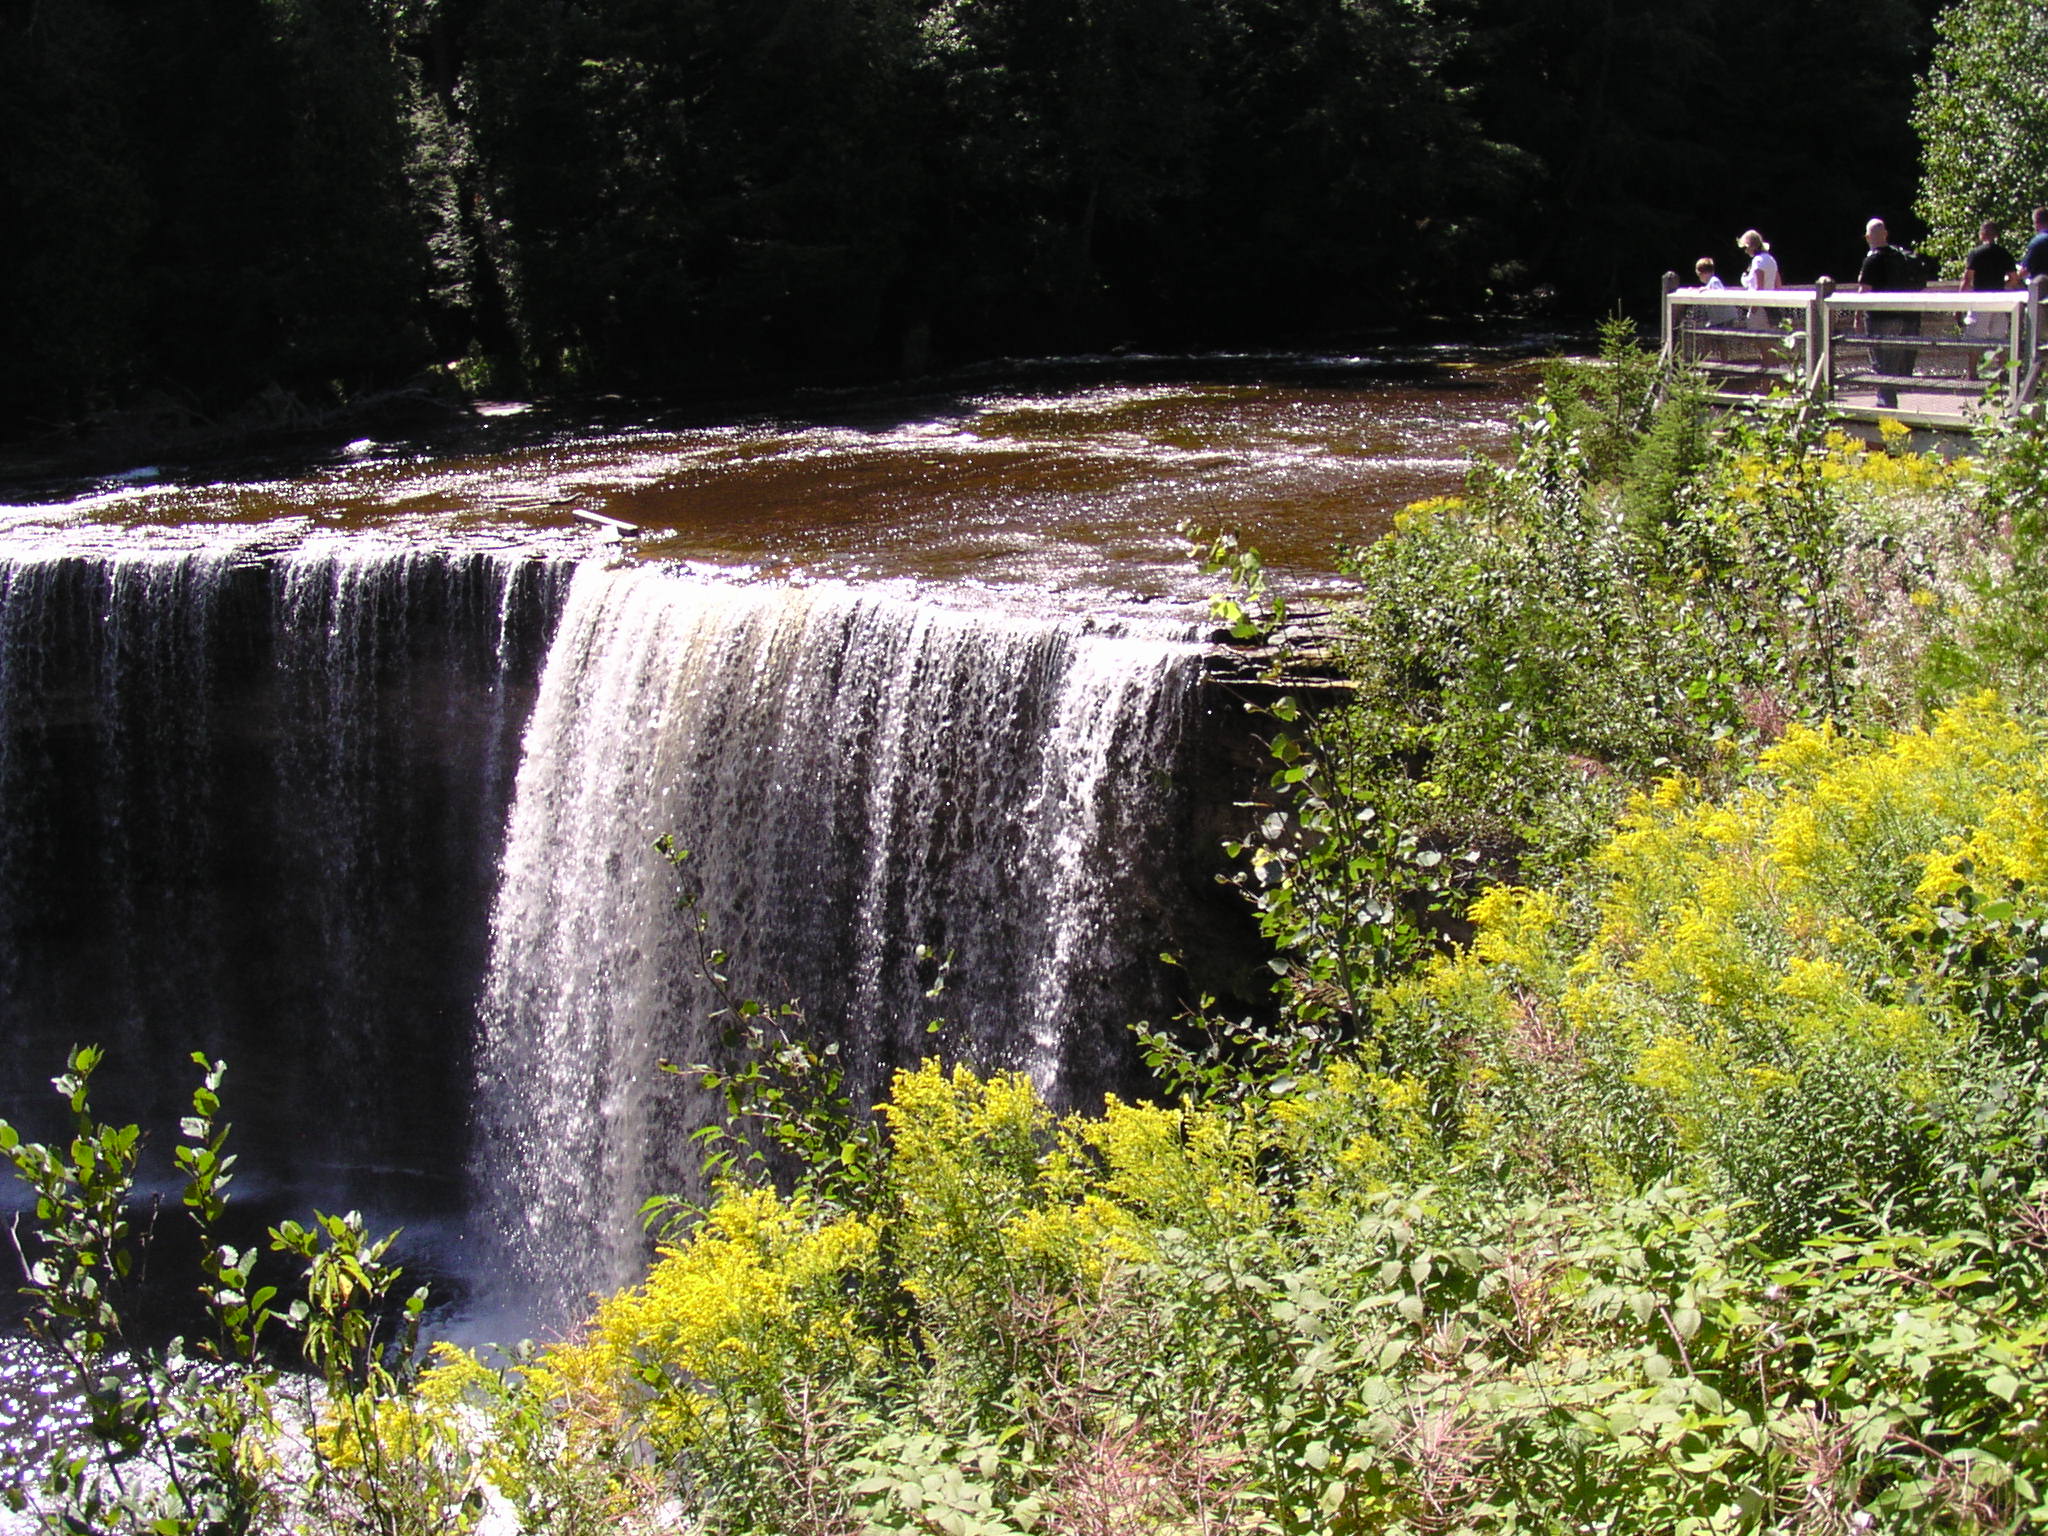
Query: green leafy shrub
{"x":1641,"y":588}
{"x":1996,"y":638}
{"x":171,"y":1448}
{"x":211,"y":1435}
{"x":1331,"y":1354}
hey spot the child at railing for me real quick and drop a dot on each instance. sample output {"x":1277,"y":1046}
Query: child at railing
{"x":1713,"y":317}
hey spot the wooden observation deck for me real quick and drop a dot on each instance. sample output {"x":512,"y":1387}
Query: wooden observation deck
{"x":1904,"y":357}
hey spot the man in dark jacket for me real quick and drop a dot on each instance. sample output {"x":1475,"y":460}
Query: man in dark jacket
{"x":1886,"y":270}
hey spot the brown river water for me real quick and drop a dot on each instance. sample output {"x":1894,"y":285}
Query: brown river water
{"x":1064,"y":479}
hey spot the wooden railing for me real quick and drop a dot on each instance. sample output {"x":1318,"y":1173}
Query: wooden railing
{"x":1924,"y":358}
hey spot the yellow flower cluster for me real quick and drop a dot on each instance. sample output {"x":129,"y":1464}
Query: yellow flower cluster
{"x":1888,"y":468}
{"x":1885,"y":471}
{"x":1420,"y":514}
{"x":1737,"y":939}
{"x":987,"y":1196}
{"x":755,"y":1292}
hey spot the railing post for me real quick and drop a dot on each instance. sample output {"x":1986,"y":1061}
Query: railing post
{"x":1820,"y":342}
{"x":1667,"y":353}
{"x":2017,"y":342}
{"x":2036,"y":287}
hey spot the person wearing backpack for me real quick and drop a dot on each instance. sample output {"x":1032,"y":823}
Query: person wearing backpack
{"x":1887,"y":269}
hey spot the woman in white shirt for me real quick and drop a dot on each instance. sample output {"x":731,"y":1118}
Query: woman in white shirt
{"x":1762,"y":272}
{"x":1760,"y":276}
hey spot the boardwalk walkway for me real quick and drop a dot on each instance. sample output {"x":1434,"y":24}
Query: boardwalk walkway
{"x":1867,"y":356}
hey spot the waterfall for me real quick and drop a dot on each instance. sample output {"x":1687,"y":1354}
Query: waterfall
{"x":864,"y":784}
{"x":376,"y":823}
{"x":251,"y":801}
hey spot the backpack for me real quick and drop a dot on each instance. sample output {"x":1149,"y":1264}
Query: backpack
{"x":1915,"y":271}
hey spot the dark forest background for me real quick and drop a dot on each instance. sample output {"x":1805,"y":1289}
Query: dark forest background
{"x":214,"y":202}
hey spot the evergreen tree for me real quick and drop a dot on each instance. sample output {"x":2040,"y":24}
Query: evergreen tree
{"x":348,"y":255}
{"x":1351,"y":182}
{"x":221,"y":196}
{"x":699,"y":187}
{"x":1660,"y":132}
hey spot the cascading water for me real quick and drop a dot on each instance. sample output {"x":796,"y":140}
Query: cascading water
{"x":864,"y":784}
{"x":251,"y":801}
{"x":257,"y":804}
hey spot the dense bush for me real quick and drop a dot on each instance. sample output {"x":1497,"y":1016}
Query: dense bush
{"x":1635,"y":593}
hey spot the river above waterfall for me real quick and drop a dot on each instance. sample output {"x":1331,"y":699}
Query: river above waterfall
{"x":1064,"y":480}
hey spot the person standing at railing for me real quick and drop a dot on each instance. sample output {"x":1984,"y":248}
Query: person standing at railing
{"x":2034,"y":261}
{"x":1713,"y":317}
{"x":1760,"y":276}
{"x":1886,"y":270}
{"x":1987,"y":268}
